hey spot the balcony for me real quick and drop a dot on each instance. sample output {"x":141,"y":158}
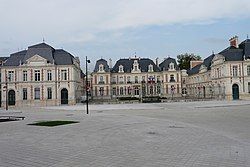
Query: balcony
{"x":129,"y":82}
{"x":113,"y":82}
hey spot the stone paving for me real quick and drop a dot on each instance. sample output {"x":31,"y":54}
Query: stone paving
{"x":193,"y":134}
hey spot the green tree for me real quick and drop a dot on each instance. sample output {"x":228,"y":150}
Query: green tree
{"x":184,"y":60}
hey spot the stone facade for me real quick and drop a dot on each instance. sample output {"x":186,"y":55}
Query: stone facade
{"x":225,"y":75}
{"x":41,"y":76}
{"x":136,"y":77}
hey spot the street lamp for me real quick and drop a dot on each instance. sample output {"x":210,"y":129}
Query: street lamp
{"x":87,"y":87}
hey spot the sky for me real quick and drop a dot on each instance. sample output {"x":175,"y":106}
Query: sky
{"x":120,"y":29}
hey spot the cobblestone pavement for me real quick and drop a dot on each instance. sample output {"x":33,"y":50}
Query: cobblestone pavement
{"x":194,"y":134}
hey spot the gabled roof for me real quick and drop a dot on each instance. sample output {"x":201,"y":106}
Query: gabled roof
{"x":128,"y":65}
{"x":164,"y":66}
{"x":56,"y":56}
{"x":104,"y":63}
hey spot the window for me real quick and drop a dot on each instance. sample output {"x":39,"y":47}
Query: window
{"x":136,"y":79}
{"x":37,"y":93}
{"x":136,"y":68}
{"x":113,"y":80}
{"x":25,"y":75}
{"x":101,"y":67}
{"x":121,"y":79}
{"x":24,"y":93}
{"x":143,"y":79}
{"x":101,"y":90}
{"x":37,"y":75}
{"x":129,"y":90}
{"x":150,"y":68}
{"x":49,"y":93}
{"x":151,"y":90}
{"x":137,"y":91}
{"x":101,"y":79}
{"x":171,"y":66}
{"x":120,"y":68}
{"x":158,"y":79}
{"x":248,"y":70}
{"x":172,"y":78}
{"x":114,"y":91}
{"x":49,"y":75}
{"x":235,"y":71}
{"x":10,"y":76}
{"x":121,"y":90}
{"x":128,"y":79}
{"x":64,"y":74}
{"x":158,"y":89}
{"x":248,"y":87}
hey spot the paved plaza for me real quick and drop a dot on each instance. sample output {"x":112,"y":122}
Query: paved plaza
{"x":180,"y":134}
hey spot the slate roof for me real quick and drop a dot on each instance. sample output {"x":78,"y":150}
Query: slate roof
{"x":207,"y":62}
{"x":245,"y":45}
{"x":128,"y":65}
{"x":164,"y":66}
{"x":56,"y":56}
{"x":104,"y":63}
{"x":231,"y":54}
{"x":3,"y":58}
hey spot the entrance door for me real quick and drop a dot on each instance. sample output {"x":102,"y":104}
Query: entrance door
{"x":11,"y":98}
{"x":64,"y":96}
{"x":235,"y":90}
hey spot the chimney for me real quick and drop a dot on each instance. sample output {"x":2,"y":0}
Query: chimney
{"x":110,"y":63}
{"x":157,"y":62}
{"x":234,"y":41}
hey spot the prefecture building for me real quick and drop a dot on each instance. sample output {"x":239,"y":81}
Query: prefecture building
{"x":41,"y":76}
{"x":225,"y":75}
{"x":136,"y":77}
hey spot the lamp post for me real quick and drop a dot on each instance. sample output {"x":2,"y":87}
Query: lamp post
{"x":87,"y":87}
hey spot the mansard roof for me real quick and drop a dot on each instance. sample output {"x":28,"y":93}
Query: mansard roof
{"x":245,"y":45}
{"x":56,"y":56}
{"x":128,"y":65}
{"x":231,"y":54}
{"x":207,"y":62}
{"x":164,"y":66}
{"x":104,"y":63}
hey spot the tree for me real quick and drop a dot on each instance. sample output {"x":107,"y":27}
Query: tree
{"x":184,"y":60}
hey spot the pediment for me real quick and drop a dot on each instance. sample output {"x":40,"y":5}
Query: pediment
{"x":218,"y":59}
{"x":36,"y":60}
{"x":203,"y":68}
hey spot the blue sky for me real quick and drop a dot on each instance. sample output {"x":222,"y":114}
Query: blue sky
{"x":117,"y":29}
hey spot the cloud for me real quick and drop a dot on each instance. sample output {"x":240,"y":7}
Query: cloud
{"x":83,"y":20}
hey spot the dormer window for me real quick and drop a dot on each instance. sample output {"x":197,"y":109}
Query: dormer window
{"x":136,"y":66}
{"x":101,"y":68}
{"x":171,"y":66}
{"x":150,"y":68}
{"x":121,"y":68}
